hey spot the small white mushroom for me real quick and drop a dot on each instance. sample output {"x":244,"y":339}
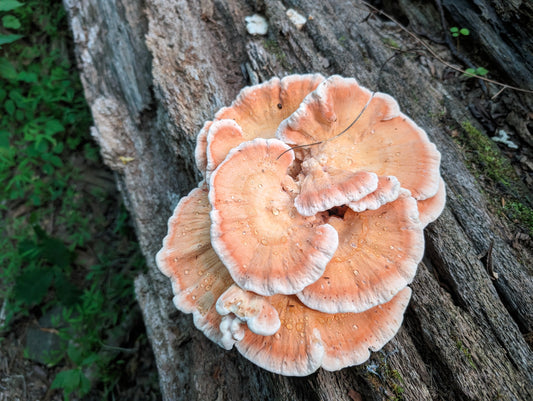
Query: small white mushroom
{"x":256,"y":25}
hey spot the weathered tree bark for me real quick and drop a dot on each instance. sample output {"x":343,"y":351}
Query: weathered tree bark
{"x":155,"y":70}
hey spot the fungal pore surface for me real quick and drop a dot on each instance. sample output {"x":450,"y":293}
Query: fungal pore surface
{"x":299,"y":245}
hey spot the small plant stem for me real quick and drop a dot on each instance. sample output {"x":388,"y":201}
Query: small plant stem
{"x":436,"y":56}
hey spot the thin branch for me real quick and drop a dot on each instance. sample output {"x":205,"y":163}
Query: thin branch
{"x":437,"y":57}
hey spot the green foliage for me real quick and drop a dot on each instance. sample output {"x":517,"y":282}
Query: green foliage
{"x":45,"y":208}
{"x":456,"y":32}
{"x":479,"y":71}
{"x":9,"y":21}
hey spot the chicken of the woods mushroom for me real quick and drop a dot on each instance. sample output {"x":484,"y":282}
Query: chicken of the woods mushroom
{"x":298,"y":246}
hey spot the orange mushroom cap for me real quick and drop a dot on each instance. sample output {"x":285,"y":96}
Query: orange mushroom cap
{"x":378,"y":254}
{"x":383,"y":140}
{"x":200,"y":151}
{"x":387,"y":191}
{"x":259,"y":109}
{"x":250,"y":308}
{"x":323,"y":187}
{"x":309,"y":339}
{"x":430,"y":209}
{"x":223,"y":136}
{"x":198,"y":276}
{"x":265,"y":244}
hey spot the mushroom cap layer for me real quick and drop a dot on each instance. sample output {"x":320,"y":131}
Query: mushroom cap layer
{"x":252,"y":309}
{"x":383,"y":140}
{"x":198,"y":276}
{"x":378,"y":254}
{"x":259,"y":109}
{"x":430,"y":209}
{"x":309,"y":339}
{"x":323,"y":187}
{"x":267,"y":247}
{"x":387,"y":191}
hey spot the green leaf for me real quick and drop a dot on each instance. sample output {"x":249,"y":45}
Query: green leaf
{"x":5,"y":39}
{"x":7,"y":70}
{"x":464,"y":31}
{"x":52,"y":127}
{"x":75,"y":354}
{"x":56,"y":161}
{"x":481,"y":71}
{"x":470,"y":72}
{"x":68,"y":380}
{"x":10,"y":22}
{"x":9,"y":106}
{"x":4,"y":139}
{"x":454,"y":29}
{"x":28,"y":77}
{"x":8,"y":5}
{"x":67,"y":293}
{"x":32,"y":285}
{"x":455,"y":34}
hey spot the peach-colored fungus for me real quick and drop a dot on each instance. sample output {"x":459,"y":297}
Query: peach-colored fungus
{"x":265,"y":244}
{"x":299,"y":245}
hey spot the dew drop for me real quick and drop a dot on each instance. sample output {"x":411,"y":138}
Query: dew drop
{"x":194,"y":297}
{"x":277,"y":335}
{"x":244,"y":266}
{"x":289,"y":326}
{"x":260,"y":186}
{"x":175,"y":259}
{"x":264,"y":242}
{"x":275,"y":211}
{"x":355,"y":327}
{"x":186,"y":272}
{"x":356,"y":272}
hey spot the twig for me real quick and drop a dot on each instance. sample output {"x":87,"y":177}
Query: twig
{"x":451,"y":46}
{"x":437,"y":57}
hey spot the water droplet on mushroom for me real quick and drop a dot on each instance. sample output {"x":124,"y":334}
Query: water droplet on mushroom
{"x":264,"y":241}
{"x":356,"y":272}
{"x":355,"y":327}
{"x":277,"y":335}
{"x":260,"y":186}
{"x":289,"y":326}
{"x":353,"y":245}
{"x":186,"y":272}
{"x":200,"y":272}
{"x":275,"y":211}
{"x":391,"y":247}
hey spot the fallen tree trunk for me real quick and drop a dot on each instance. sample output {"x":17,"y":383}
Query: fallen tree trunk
{"x":155,"y":70}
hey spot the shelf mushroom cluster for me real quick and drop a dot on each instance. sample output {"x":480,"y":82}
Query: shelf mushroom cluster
{"x":298,"y":246}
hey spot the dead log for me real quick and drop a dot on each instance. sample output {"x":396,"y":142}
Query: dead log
{"x":155,"y":70}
